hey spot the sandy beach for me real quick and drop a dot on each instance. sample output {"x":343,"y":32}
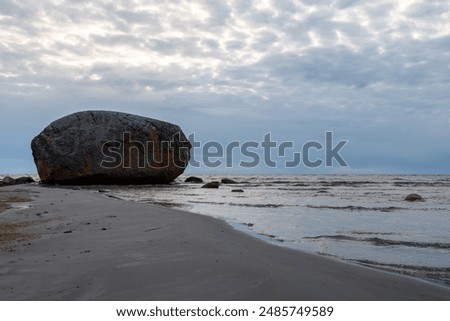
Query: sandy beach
{"x":69,"y":244}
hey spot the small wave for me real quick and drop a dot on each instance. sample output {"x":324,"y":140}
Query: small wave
{"x":273,"y":237}
{"x":206,"y":202}
{"x":303,"y":189}
{"x":406,"y":266}
{"x":114,"y":197}
{"x":348,"y":183}
{"x":356,"y":208}
{"x":168,"y":204}
{"x":422,"y":184}
{"x":258,"y":205}
{"x":441,"y":274}
{"x":239,"y":204}
{"x":371,"y":233}
{"x":381,"y":242}
{"x":283,"y":182}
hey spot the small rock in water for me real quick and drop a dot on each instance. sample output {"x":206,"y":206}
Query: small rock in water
{"x":414,"y":197}
{"x":24,"y":180}
{"x":104,"y":190}
{"x":213,"y":184}
{"x":7,"y":180}
{"x":228,"y":181}
{"x":237,"y":191}
{"x":193,"y":179}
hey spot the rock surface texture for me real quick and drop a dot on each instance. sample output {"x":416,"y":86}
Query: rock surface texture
{"x":104,"y":147}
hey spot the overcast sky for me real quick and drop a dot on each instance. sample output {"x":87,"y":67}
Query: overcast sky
{"x":375,"y":73}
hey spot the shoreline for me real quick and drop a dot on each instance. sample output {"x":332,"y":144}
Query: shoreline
{"x":92,"y":247}
{"x":346,"y":217}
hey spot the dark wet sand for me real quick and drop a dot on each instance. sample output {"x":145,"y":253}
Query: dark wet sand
{"x":86,"y":246}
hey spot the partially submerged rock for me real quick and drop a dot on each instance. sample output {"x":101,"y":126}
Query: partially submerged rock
{"x":193,"y":179}
{"x":228,"y":181}
{"x":414,"y":198}
{"x":7,"y":180}
{"x":213,"y":184}
{"x":237,"y":190}
{"x":104,"y":147}
{"x":24,"y":180}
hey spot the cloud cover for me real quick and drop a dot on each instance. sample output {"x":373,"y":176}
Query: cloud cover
{"x":376,"y":72}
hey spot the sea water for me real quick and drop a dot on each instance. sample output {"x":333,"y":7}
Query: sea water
{"x":355,"y":218}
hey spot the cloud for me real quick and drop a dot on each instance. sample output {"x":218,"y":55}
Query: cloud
{"x":354,"y":66}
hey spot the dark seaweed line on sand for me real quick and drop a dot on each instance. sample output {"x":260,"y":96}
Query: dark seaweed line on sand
{"x":381,"y":242}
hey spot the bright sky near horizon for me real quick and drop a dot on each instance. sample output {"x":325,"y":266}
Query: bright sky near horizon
{"x":375,"y":73}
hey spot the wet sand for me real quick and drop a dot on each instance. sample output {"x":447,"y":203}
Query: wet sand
{"x":81,"y":245}
{"x":10,"y":230}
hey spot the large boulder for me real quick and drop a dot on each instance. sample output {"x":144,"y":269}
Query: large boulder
{"x":104,"y":147}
